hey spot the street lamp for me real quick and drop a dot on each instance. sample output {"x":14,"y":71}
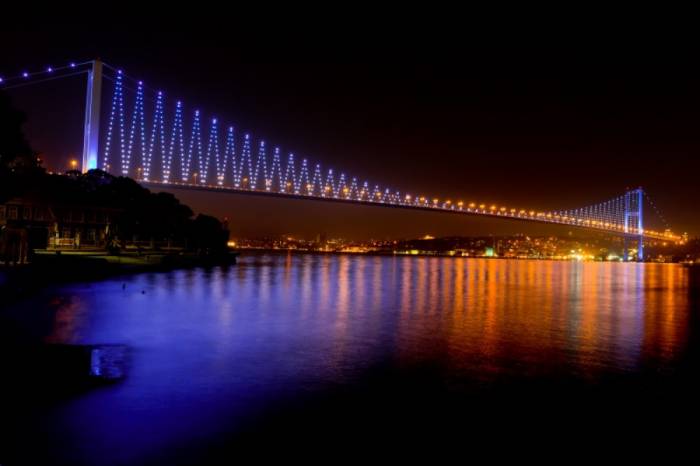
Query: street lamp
{"x":73,"y":164}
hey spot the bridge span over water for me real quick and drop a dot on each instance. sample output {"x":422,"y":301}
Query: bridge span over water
{"x":133,"y":130}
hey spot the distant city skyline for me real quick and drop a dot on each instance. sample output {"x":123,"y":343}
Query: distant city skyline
{"x":581,"y":246}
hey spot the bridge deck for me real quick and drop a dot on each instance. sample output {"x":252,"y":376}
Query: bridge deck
{"x":452,"y":209}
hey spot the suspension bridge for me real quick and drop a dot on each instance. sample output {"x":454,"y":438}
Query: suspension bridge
{"x":164,"y":144}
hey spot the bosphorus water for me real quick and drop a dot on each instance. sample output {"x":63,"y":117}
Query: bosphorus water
{"x":284,"y":344}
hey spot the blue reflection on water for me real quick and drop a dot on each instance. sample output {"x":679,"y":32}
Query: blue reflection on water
{"x":212,"y":349}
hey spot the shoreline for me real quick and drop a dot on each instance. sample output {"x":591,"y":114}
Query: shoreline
{"x":46,"y":269}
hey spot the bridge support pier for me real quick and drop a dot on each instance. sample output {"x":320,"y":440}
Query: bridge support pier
{"x":93,"y":101}
{"x":627,"y":240}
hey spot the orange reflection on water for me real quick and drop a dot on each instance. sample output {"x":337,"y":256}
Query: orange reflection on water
{"x":480,"y":317}
{"x":536,"y":316}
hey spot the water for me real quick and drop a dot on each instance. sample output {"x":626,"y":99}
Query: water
{"x":283,"y":345}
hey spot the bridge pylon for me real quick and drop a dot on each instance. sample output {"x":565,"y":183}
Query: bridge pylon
{"x":93,"y":101}
{"x":634,"y":222}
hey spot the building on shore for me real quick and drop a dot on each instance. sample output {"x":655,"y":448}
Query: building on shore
{"x":27,"y":224}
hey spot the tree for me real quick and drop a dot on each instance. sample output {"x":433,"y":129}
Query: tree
{"x":15,"y":151}
{"x":208,"y":235}
{"x":18,"y":162}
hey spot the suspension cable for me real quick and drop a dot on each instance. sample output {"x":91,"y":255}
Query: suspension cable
{"x":656,"y":209}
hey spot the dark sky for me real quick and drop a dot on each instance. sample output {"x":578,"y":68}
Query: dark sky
{"x":524,"y":119}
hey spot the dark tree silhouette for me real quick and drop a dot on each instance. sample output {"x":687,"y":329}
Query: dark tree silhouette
{"x":15,"y":151}
{"x":18,"y":162}
{"x":208,"y":235}
{"x":138,"y":213}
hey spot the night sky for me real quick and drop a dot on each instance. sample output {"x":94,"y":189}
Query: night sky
{"x":541,"y":123}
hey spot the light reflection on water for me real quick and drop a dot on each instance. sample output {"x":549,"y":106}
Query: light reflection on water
{"x":211,"y":347}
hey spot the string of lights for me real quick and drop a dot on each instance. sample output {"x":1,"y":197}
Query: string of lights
{"x":176,"y":137}
{"x":656,"y":209}
{"x":245,"y":163}
{"x":116,"y":113}
{"x":195,"y":144}
{"x":47,"y":74}
{"x":212,"y":148}
{"x":276,"y":168}
{"x":157,"y":134}
{"x":260,"y":167}
{"x":137,"y":119}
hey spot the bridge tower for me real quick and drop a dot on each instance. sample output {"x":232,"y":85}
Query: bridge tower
{"x":91,"y":132}
{"x":634,"y":225}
